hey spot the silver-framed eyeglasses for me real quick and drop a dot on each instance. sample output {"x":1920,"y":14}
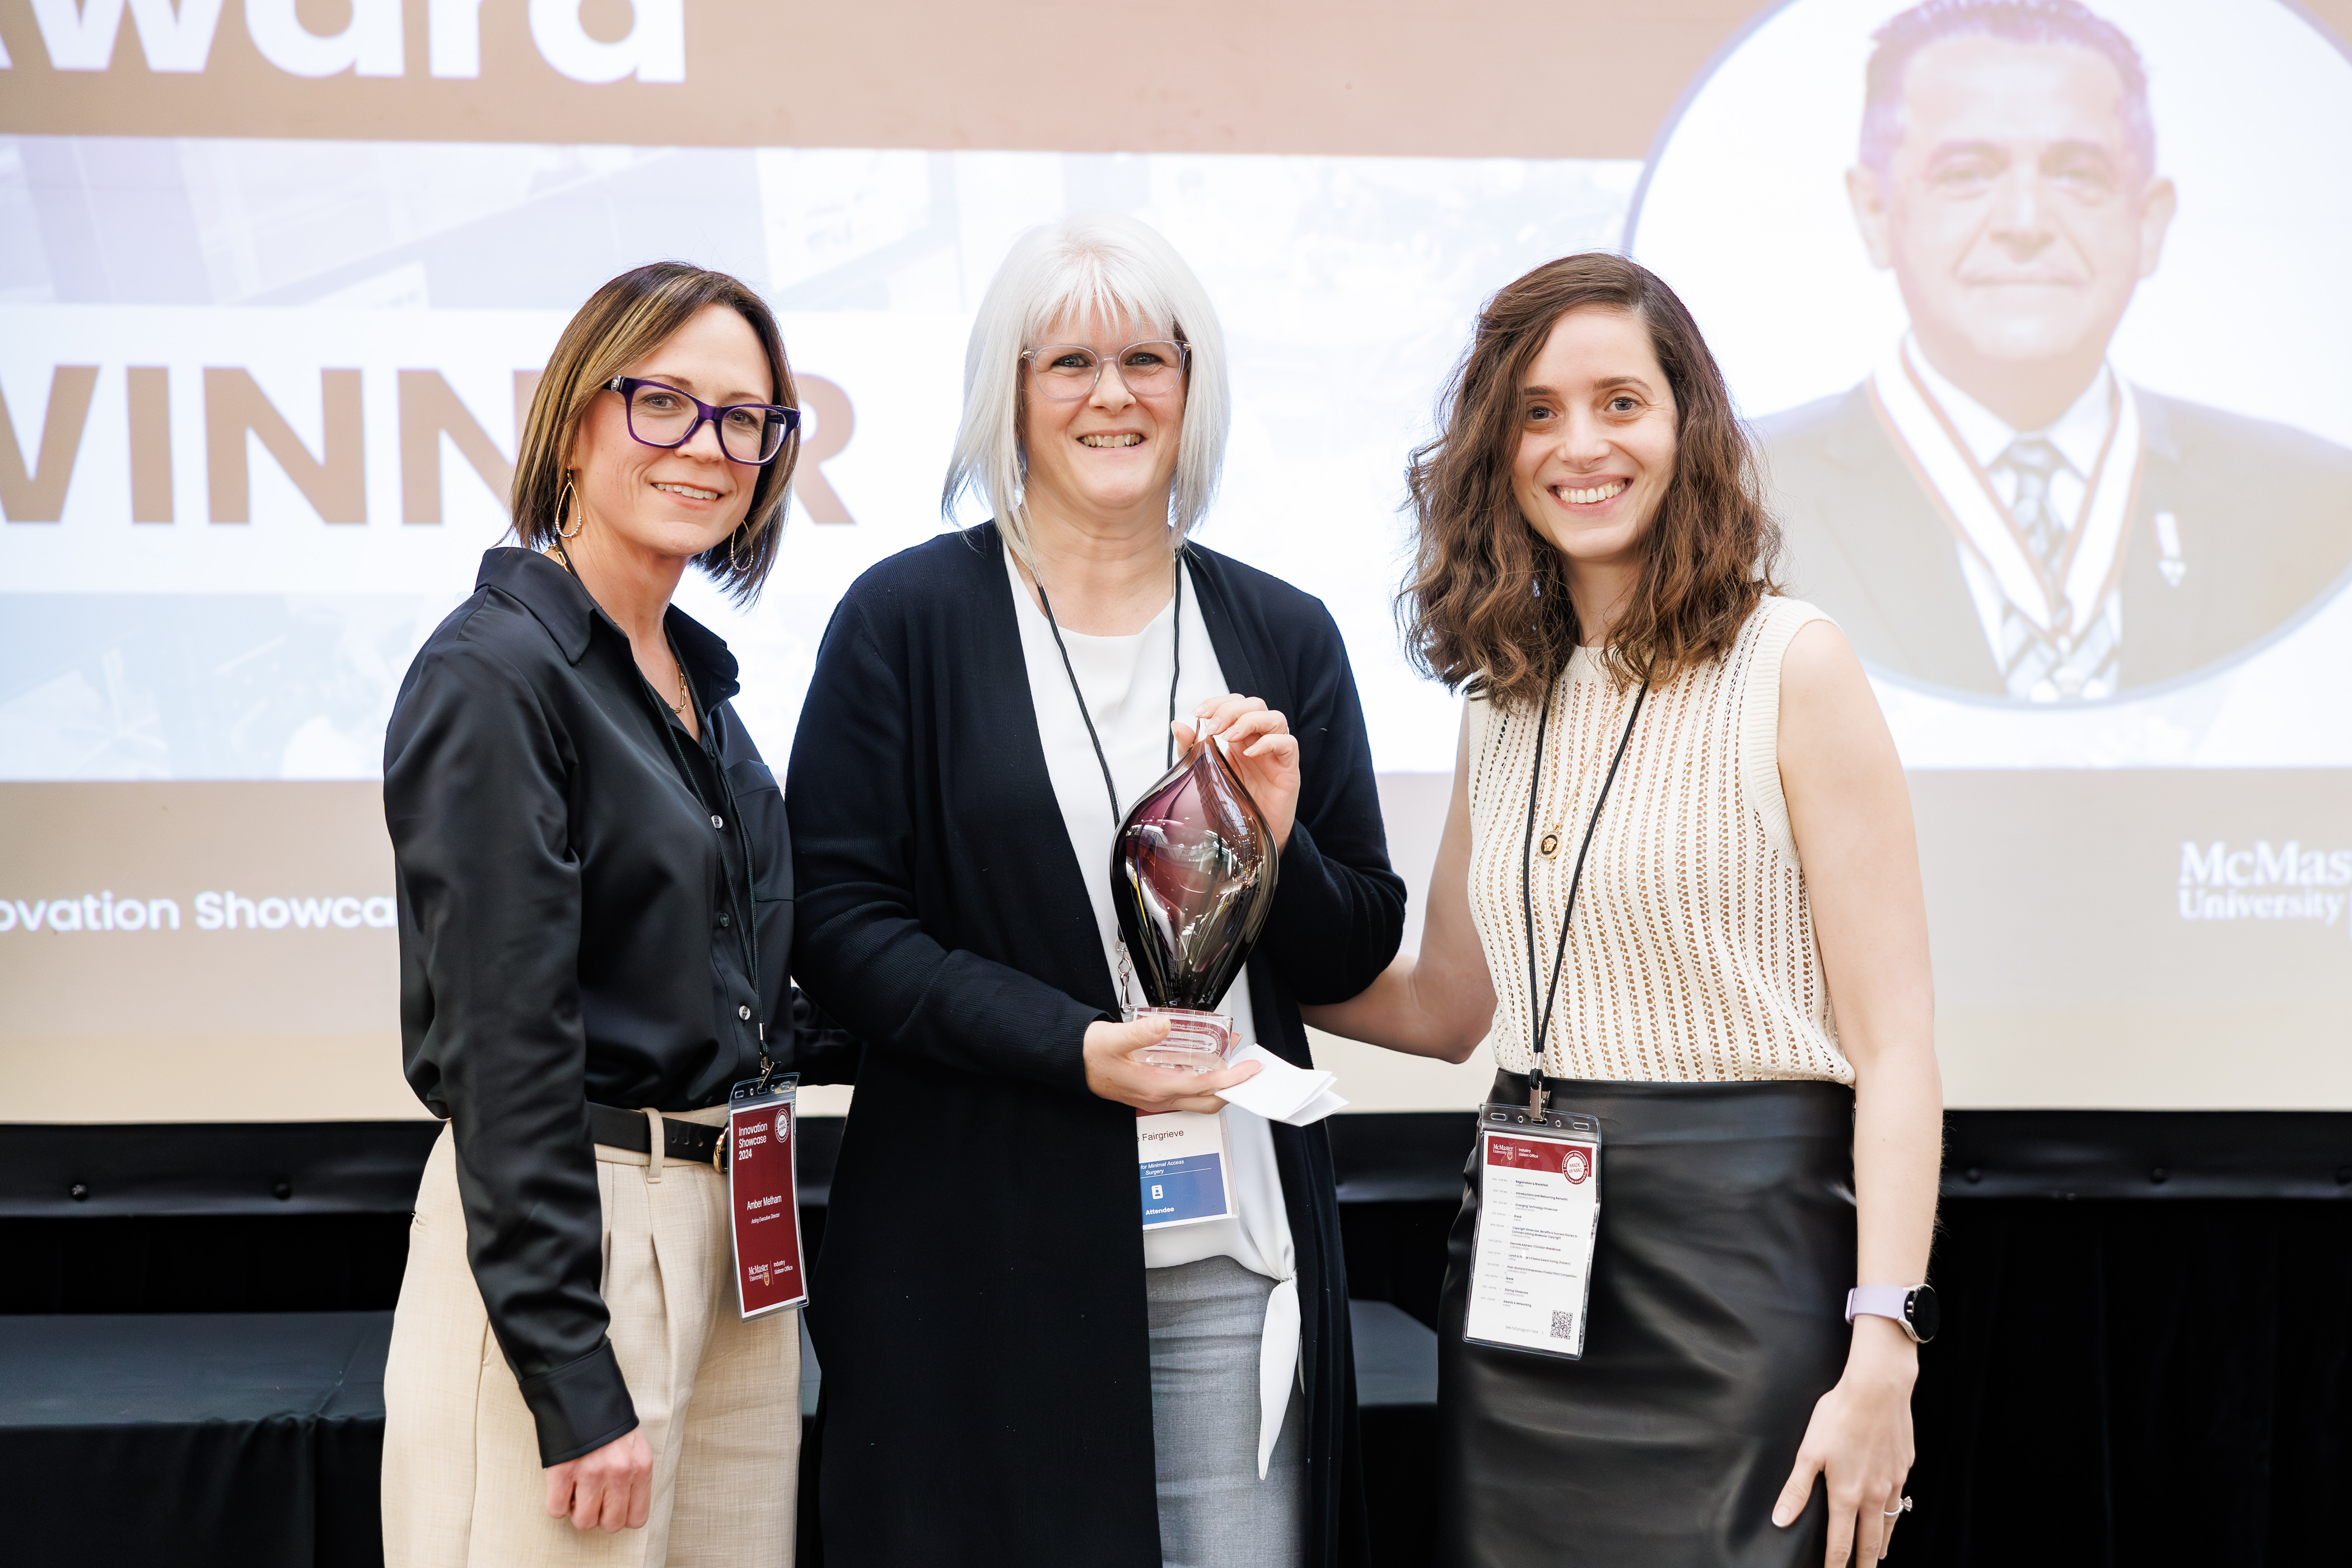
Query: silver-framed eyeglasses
{"x":1064,"y":372}
{"x":660,"y":415}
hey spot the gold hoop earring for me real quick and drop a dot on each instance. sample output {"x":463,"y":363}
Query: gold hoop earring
{"x":563,"y":499}
{"x":734,"y":559}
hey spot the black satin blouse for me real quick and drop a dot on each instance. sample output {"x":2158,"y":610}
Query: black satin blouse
{"x":586,"y":895}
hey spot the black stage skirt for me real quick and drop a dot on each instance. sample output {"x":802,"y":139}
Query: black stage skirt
{"x":1718,"y":1318}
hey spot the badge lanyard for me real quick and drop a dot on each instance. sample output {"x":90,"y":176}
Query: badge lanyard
{"x":747,"y":915}
{"x":1182,"y":1167}
{"x":1539,"y":1001}
{"x":1540,"y":1211}
{"x":1126,"y":976}
{"x":757,"y":1149}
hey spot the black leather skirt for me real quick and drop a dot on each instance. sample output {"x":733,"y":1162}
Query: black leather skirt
{"x":1725,"y":1249}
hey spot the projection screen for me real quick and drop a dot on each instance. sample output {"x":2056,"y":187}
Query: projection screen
{"x":270,"y":299}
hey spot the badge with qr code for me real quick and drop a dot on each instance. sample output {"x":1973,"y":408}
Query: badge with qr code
{"x":1539,"y":1215}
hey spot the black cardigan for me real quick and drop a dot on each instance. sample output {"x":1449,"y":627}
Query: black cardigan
{"x":979,"y":1304}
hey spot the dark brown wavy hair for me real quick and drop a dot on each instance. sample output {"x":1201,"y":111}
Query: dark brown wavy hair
{"x":621,"y":322}
{"x":1487,"y":606}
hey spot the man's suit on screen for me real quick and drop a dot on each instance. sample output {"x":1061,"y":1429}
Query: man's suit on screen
{"x":2262,"y":514}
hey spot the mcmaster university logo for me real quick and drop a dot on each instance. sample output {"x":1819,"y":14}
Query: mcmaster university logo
{"x":2263,"y":882}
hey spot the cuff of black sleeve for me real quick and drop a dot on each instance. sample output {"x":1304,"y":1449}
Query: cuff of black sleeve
{"x":1075,"y":1019}
{"x":579,"y":1407}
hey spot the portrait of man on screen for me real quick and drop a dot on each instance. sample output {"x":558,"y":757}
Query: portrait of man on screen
{"x":1995,"y":508}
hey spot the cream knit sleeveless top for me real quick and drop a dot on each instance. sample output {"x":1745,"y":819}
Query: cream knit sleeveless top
{"x":1692,"y":956}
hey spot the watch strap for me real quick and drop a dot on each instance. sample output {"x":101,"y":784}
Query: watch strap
{"x":1879,"y":1302}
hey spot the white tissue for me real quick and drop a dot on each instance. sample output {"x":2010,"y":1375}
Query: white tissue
{"x":1281,"y":1092}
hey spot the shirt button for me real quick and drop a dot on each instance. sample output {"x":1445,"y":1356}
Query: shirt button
{"x":744,"y":1014}
{"x":725,"y":921}
{"x":718,"y":822}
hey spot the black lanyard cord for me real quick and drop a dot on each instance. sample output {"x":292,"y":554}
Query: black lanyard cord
{"x":750,"y":918}
{"x":1177,"y":620}
{"x":1547,"y":997}
{"x":747,"y":912}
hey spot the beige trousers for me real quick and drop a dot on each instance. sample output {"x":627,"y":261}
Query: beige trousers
{"x":717,"y":1398}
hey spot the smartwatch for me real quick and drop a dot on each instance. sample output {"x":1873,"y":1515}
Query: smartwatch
{"x":1912,"y":1308}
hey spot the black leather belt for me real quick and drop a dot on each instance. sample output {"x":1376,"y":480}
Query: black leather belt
{"x":688,"y":1141}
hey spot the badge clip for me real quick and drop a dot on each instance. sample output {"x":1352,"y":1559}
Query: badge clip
{"x":767,"y":1063}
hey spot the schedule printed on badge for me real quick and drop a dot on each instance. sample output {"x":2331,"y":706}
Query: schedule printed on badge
{"x":1536,"y":1220}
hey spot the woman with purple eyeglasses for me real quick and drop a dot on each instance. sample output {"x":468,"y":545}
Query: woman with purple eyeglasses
{"x":594,"y":881}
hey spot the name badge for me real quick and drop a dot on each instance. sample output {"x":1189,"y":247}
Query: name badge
{"x":1538,"y":1214}
{"x":1184,"y":1167}
{"x":763,"y":1196}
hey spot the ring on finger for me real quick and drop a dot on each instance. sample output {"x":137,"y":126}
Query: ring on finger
{"x":1903,"y":1507}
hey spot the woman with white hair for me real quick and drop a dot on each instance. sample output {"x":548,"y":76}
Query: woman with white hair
{"x":1014,"y":1373}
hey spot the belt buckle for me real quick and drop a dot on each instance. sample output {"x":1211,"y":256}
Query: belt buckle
{"x":719,"y":1158}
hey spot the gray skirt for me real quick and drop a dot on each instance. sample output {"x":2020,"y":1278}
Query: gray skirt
{"x":1207,"y":1318}
{"x":1716,"y":1319}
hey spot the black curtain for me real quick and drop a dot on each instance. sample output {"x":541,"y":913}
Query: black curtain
{"x":2128,"y":1380}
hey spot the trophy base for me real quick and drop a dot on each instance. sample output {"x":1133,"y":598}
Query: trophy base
{"x":1196,"y":1042}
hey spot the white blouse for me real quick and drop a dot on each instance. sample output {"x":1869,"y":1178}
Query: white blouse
{"x":1125,"y":679}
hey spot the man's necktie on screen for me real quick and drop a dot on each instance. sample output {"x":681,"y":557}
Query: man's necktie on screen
{"x":2045,"y":656}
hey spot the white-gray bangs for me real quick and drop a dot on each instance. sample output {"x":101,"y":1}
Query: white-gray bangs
{"x":1090,"y":269}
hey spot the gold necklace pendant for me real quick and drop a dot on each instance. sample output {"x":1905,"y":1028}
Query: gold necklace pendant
{"x":683,"y":696}
{"x":1548,"y":845}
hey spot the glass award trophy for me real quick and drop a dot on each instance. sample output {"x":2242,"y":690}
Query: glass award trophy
{"x":1193,"y":872}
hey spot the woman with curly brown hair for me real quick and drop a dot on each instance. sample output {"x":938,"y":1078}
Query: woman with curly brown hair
{"x":1678,"y":891}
